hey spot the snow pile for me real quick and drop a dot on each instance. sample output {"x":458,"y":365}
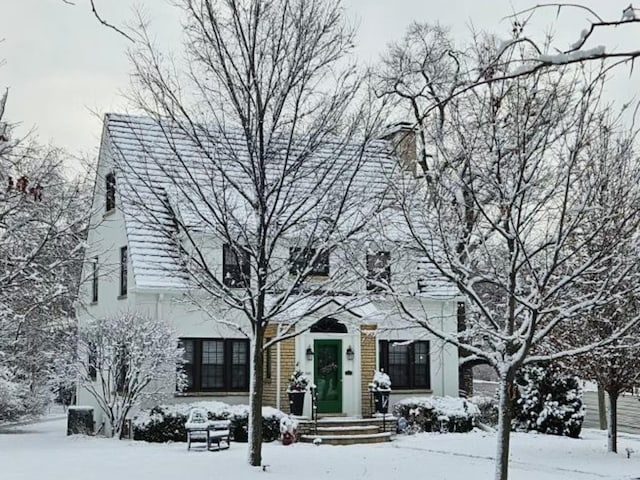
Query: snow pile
{"x":165,"y":423}
{"x":443,"y":414}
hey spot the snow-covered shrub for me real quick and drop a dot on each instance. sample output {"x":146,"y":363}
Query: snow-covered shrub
{"x":488,"y":407}
{"x":548,"y":402}
{"x":13,"y":397}
{"x":126,"y":360}
{"x":434,"y":414}
{"x":166,"y":423}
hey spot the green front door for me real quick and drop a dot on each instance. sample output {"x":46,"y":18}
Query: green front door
{"x":327,"y":371}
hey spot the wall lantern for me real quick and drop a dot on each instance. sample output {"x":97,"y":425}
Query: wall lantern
{"x":309,"y":353}
{"x":350,"y":353}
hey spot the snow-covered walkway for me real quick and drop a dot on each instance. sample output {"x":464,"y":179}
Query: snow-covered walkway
{"x":38,"y":451}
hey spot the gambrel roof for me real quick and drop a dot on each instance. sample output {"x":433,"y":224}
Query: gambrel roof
{"x":165,"y":174}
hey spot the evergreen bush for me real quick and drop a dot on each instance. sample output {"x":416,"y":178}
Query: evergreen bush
{"x":548,"y":401}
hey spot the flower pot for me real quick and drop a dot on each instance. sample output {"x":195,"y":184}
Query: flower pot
{"x":381,"y":401}
{"x":296,"y":403}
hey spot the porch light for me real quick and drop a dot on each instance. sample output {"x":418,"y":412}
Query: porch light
{"x":309,"y":353}
{"x":350,"y":353}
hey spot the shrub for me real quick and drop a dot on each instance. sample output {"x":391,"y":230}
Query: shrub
{"x":488,"y":408}
{"x":548,"y":402}
{"x":437,"y":414}
{"x":165,"y":423}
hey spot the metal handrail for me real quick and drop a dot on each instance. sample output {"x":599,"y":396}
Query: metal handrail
{"x":314,"y":408}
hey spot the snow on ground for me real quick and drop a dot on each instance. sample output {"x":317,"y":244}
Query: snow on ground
{"x":41,"y":450}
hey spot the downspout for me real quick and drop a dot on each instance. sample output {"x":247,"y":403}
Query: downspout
{"x":160,"y":299}
{"x":444,"y":345}
{"x":278,"y":371}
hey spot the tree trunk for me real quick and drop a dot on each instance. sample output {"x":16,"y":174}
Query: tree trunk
{"x":504,"y":427}
{"x":255,"y":400}
{"x":612,"y":432}
{"x":602,"y":409}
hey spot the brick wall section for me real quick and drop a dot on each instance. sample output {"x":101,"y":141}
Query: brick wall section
{"x":287,"y":365}
{"x":269,"y":394}
{"x":367,"y":364}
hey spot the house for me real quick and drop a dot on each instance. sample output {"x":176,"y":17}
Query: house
{"x":137,"y":261}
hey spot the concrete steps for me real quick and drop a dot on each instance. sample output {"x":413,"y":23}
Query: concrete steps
{"x":346,"y":431}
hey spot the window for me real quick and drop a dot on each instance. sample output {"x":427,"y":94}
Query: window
{"x":94,"y":280}
{"x":123,"y":271}
{"x":378,"y":270}
{"x":268,"y":360}
{"x":92,"y":362}
{"x":406,"y":363}
{"x":121,"y":370}
{"x":300,"y":259}
{"x":213,"y":364}
{"x":236,"y":269}
{"x":111,"y":192}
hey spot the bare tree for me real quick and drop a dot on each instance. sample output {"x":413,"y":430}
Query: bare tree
{"x":507,"y":193}
{"x":43,"y":218}
{"x":125,"y":359}
{"x":614,"y":367}
{"x":270,"y":137}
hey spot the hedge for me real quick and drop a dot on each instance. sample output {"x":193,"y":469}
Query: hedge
{"x":165,"y":423}
{"x":436,"y":414}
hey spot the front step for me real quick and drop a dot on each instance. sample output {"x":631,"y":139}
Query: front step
{"x":347,"y":439}
{"x":347,"y":431}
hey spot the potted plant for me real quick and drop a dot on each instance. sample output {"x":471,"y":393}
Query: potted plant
{"x":380,"y":387}
{"x":298,"y":383}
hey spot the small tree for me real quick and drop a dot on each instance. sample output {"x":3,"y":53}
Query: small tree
{"x":125,"y":359}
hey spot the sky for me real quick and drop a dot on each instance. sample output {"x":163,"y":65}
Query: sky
{"x":64,"y":70}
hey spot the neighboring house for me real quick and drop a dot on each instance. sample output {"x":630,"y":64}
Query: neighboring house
{"x":134,"y":267}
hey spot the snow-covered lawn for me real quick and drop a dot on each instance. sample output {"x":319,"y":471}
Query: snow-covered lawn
{"x":42,"y":451}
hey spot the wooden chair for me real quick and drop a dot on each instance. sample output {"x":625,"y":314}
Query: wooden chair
{"x":200,"y":429}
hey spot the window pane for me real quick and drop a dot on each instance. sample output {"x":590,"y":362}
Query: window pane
{"x":421,"y":364}
{"x":212,"y":376}
{"x":239,"y":370}
{"x":399,"y":365}
{"x":212,"y":364}
{"x":212,"y":352}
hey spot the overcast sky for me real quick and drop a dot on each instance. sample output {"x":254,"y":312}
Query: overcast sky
{"x":64,"y":70}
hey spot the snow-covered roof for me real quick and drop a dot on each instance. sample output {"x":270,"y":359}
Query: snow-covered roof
{"x":166,"y":174}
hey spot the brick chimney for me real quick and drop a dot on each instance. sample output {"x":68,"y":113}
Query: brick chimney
{"x":402,"y":137}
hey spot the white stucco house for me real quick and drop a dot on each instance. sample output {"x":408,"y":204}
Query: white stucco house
{"x":134,"y":262}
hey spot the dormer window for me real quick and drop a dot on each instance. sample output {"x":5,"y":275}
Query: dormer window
{"x":301,"y":260}
{"x":236,"y":268}
{"x":111,"y":192}
{"x":378,"y":271}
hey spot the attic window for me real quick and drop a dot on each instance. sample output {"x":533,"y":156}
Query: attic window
{"x":111,"y":191}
